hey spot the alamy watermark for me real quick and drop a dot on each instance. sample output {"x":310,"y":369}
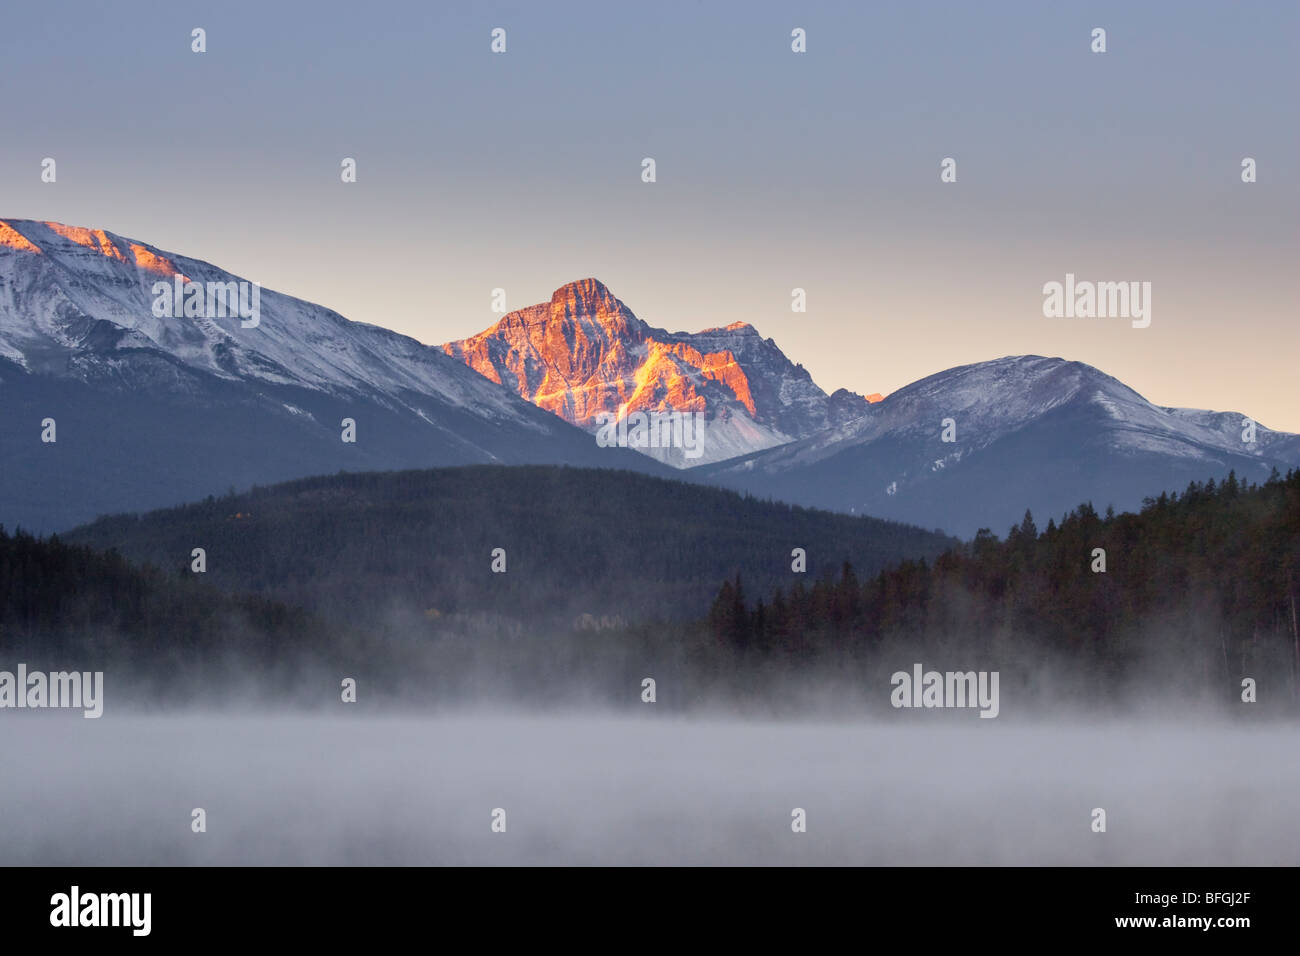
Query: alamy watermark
{"x":684,"y":430}
{"x":922,"y":688}
{"x":75,"y":908}
{"x":209,"y":300}
{"x":1098,"y":300}
{"x":37,"y":689}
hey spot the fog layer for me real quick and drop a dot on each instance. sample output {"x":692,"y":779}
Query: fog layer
{"x":316,"y":789}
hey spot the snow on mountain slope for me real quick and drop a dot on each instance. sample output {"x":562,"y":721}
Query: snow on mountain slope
{"x":988,"y":400}
{"x":156,"y":409}
{"x":58,"y":282}
{"x":1026,"y":431}
{"x":173,"y":408}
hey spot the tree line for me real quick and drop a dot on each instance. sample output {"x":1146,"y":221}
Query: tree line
{"x":1198,"y":588}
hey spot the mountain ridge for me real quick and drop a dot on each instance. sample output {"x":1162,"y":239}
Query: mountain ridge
{"x":585,"y":354}
{"x":1027,"y":431}
{"x":155,"y":408}
{"x":425,"y":539}
{"x":175,"y":408}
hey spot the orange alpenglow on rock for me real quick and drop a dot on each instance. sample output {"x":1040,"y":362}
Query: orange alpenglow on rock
{"x":584,"y":353}
{"x":98,"y":241}
{"x":13,"y":239}
{"x":584,"y":356}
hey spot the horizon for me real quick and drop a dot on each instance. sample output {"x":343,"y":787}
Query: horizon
{"x":794,"y":359}
{"x":775,"y":171}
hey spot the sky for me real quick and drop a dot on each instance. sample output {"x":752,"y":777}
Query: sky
{"x":775,"y":170}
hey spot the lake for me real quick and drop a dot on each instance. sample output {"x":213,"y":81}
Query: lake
{"x":303,"y":788}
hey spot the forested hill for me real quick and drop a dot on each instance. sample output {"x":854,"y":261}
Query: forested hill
{"x":67,"y":606}
{"x":365,"y":547}
{"x":1202,"y":587}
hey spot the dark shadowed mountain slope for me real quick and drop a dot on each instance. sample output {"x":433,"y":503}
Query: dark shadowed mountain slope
{"x":1028,"y":432}
{"x":152,"y":410}
{"x":575,"y":541}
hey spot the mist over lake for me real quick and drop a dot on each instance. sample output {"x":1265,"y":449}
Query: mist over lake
{"x":303,"y":788}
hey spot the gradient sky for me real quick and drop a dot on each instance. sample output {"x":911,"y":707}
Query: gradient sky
{"x":775,"y":170}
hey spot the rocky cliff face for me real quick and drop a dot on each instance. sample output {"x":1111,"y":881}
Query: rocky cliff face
{"x":585,"y":355}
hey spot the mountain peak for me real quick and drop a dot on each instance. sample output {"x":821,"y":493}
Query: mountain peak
{"x":743,"y":327}
{"x":585,"y":297}
{"x":585,"y":355}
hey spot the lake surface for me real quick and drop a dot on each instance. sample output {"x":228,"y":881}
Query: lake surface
{"x":315,"y":789}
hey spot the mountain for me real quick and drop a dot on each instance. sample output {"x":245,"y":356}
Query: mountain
{"x":150,"y":406}
{"x":153,"y":409}
{"x":385,"y":549}
{"x":1029,"y":432}
{"x":585,"y":354}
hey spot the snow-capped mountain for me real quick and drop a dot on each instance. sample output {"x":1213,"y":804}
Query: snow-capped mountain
{"x":585,"y":355}
{"x":1025,"y":431}
{"x":153,"y":409}
{"x":148,"y":406}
